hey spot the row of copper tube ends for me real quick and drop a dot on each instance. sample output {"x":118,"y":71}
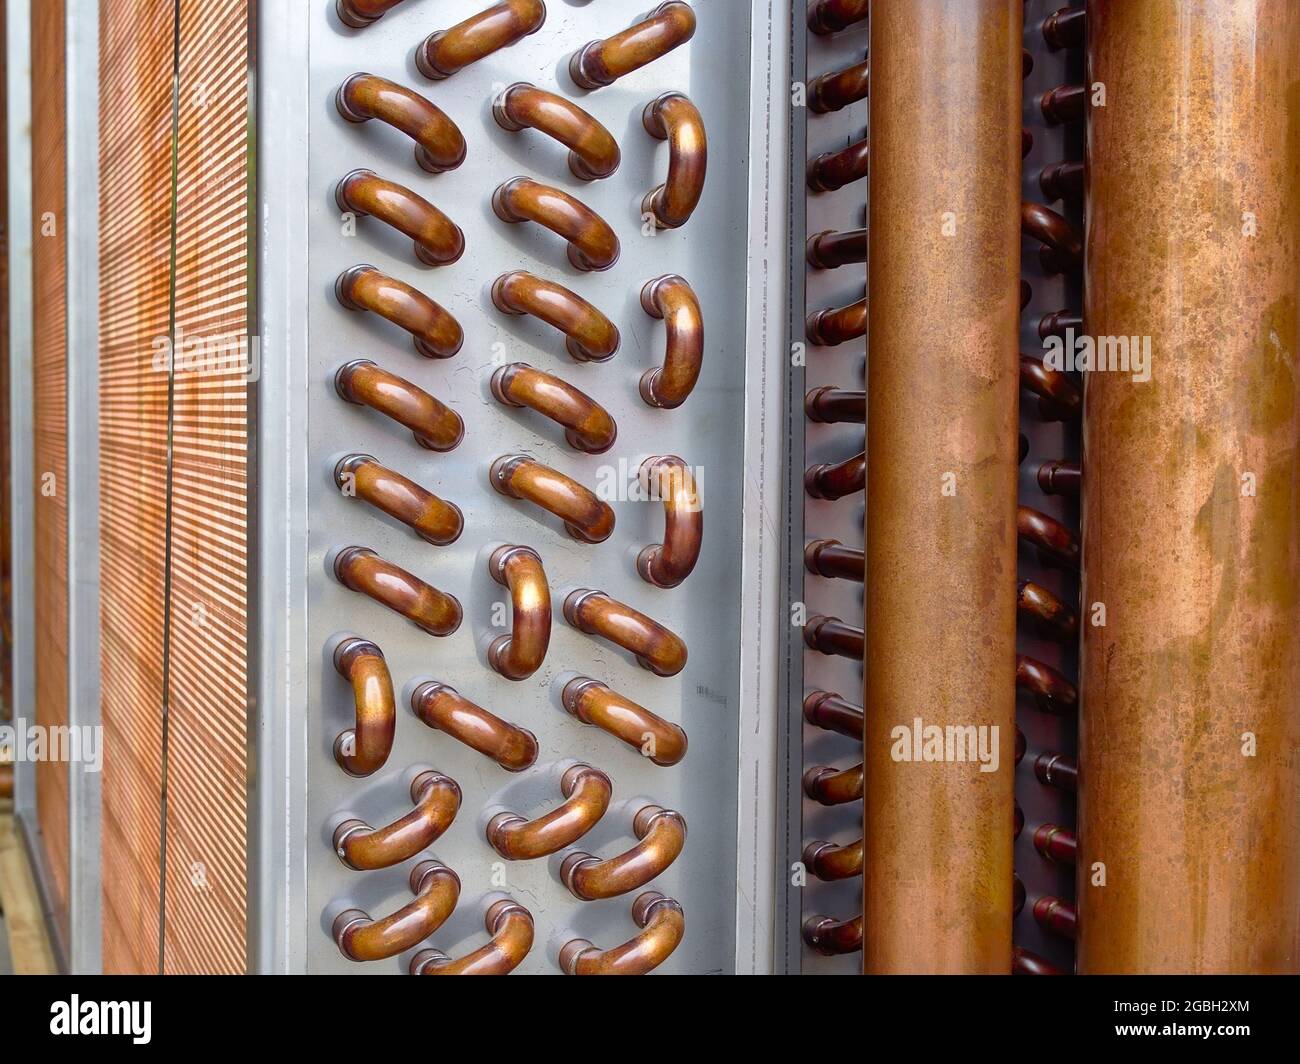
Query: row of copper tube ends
{"x":589,"y":337}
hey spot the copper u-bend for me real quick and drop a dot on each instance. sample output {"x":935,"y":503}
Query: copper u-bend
{"x":827,"y":710}
{"x":830,"y":937}
{"x":519,"y":654}
{"x":585,"y":517}
{"x":832,"y":170}
{"x":437,"y":800}
{"x":1056,"y":542}
{"x":435,"y":426}
{"x":586,"y":792}
{"x":360,"y":569}
{"x":592,"y":244}
{"x":655,"y":647}
{"x":827,"y":481}
{"x":1056,"y":843}
{"x":1054,"y":231}
{"x":667,"y":564}
{"x":830,"y":558}
{"x":838,"y":89}
{"x":834,"y":406}
{"x":829,"y":250}
{"x":446,"y":710}
{"x":361,"y":13}
{"x":1051,"y":691}
{"x":589,"y":335}
{"x":830,"y":635}
{"x":838,"y":325}
{"x":1057,"y":476}
{"x":443,"y":53}
{"x":435,"y":333}
{"x":601,"y":63}
{"x":439,"y":144}
{"x":511,"y":928}
{"x":593,"y":151}
{"x":831,"y":16}
{"x":436,"y":888}
{"x":672,"y":117}
{"x":364,"y":748}
{"x":663,"y":924}
{"x":828,"y":786}
{"x":670,"y":298}
{"x":1042,"y":609}
{"x":1058,"y":397}
{"x":594,"y":703}
{"x":438,"y":240}
{"x":661,"y":834}
{"x":587,"y":425}
{"x":431,"y":518}
{"x":829,"y":862}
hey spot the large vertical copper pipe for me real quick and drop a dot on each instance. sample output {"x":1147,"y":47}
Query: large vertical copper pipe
{"x":944,"y":292}
{"x":1191,"y":525}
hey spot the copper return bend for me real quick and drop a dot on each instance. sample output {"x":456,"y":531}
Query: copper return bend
{"x":831,"y":16}
{"x":672,"y":117}
{"x":361,"y":570}
{"x":432,"y":519}
{"x":831,"y":482}
{"x":827,"y":786}
{"x":439,"y":144}
{"x":586,"y":791}
{"x":601,"y":63}
{"x":674,"y":301}
{"x":358,"y":14}
{"x":435,"y":426}
{"x":444,"y":52}
{"x":585,"y":517}
{"x":589,"y":335}
{"x":829,"y":862}
{"x":436,"y":888}
{"x":511,"y":928}
{"x":437,"y":800}
{"x":592,"y":244}
{"x":593,"y":151}
{"x":364,"y":748}
{"x":835,"y":326}
{"x":663,"y":923}
{"x":519,"y":654}
{"x":661,"y":834}
{"x":831,"y":937}
{"x":438,"y":240}
{"x":656,"y":648}
{"x":446,"y":710}
{"x":668,"y":563}
{"x":594,"y":703}
{"x":587,"y":425}
{"x":435,"y":333}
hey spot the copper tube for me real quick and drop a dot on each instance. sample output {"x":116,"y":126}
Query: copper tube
{"x":1057,"y":770}
{"x":594,"y":703}
{"x":1024,"y":962}
{"x":672,"y":300}
{"x":1062,"y":180}
{"x":587,"y":425}
{"x":831,"y":16}
{"x":590,"y":336}
{"x":6,"y":781}
{"x":437,"y":800}
{"x":360,"y":569}
{"x":837,"y":325}
{"x":672,"y":117}
{"x":1057,"y":916}
{"x":601,"y":63}
{"x":661,"y":834}
{"x":593,"y":151}
{"x":830,"y":635}
{"x":1058,"y":322}
{"x":1059,"y":398}
{"x":1059,"y":477}
{"x":435,"y":426}
{"x":1051,"y":691}
{"x":438,"y":240}
{"x":1054,"y":541}
{"x":592,"y":244}
{"x":829,"y":557}
{"x":1056,"y":843}
{"x":667,"y":479}
{"x":520,"y":653}
{"x":824,"y":709}
{"x":832,"y":170}
{"x":511,"y":928}
{"x":436,"y":888}
{"x":831,"y":938}
{"x":829,"y":786}
{"x":655,"y":647}
{"x":829,"y":250}
{"x":1065,"y":28}
{"x":446,"y":710}
{"x":585,"y":517}
{"x":663,"y":924}
{"x":586,"y":791}
{"x":940,"y":613}
{"x":824,"y":481}
{"x":444,"y":52}
{"x":435,"y":333}
{"x":829,"y":405}
{"x":364,"y":748}
{"x":829,"y":862}
{"x":431,"y":518}
{"x":439,"y":144}
{"x":1191,"y":508}
{"x":1065,"y":103}
{"x":1042,"y":609}
{"x":1046,"y":226}
{"x":361,"y":13}
{"x":839,"y":88}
